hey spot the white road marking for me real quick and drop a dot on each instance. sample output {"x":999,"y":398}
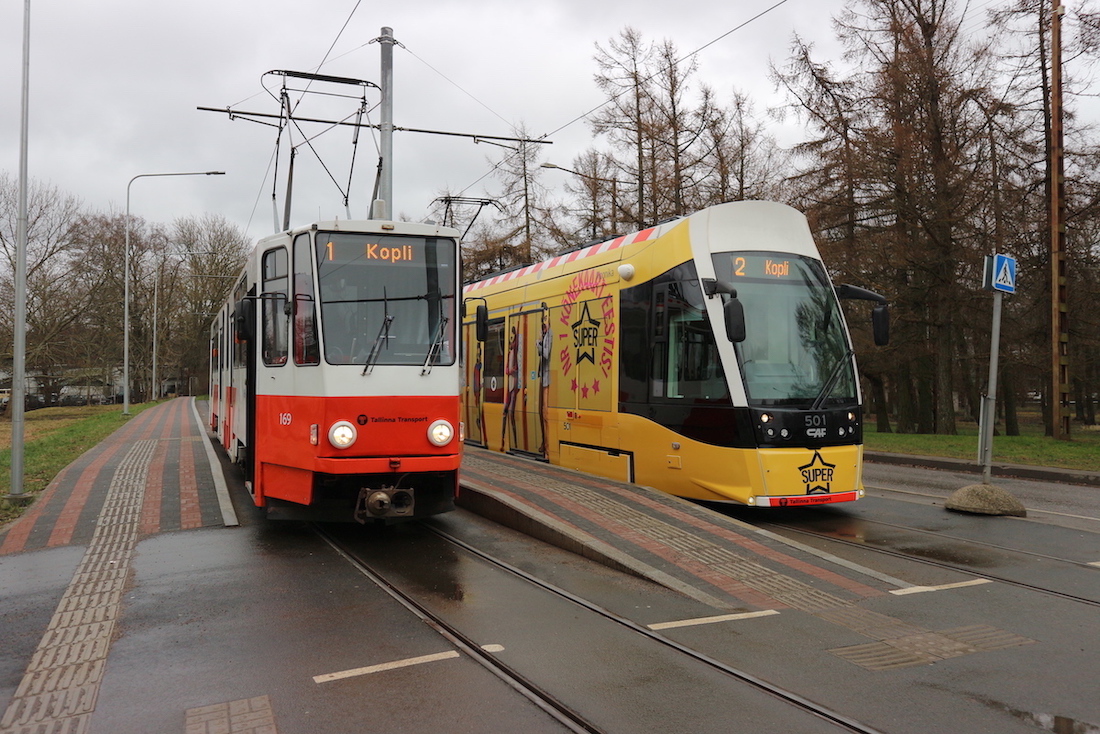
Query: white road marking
{"x":1095,"y":563}
{"x":921,"y":589}
{"x":710,"y":620}
{"x":329,"y":677}
{"x":407,"y":662}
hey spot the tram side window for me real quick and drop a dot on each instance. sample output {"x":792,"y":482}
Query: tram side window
{"x":635,"y":344}
{"x":668,"y":348}
{"x":689,"y":365}
{"x":275,"y":292}
{"x":239,"y":347}
{"x":492,"y":373}
{"x":307,"y":350}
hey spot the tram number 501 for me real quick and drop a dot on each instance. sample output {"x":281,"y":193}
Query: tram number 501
{"x":284,"y":419}
{"x":815,"y":425}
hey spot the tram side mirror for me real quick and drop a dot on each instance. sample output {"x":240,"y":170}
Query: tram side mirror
{"x":880,"y":324}
{"x":242,"y":320}
{"x":880,"y":314}
{"x":734,"y":315}
{"x":481,"y":325}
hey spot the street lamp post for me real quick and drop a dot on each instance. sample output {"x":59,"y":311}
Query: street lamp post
{"x":16,"y":401}
{"x":126,"y":285}
{"x":614,"y":194}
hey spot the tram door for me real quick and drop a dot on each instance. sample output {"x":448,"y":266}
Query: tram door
{"x":535,"y":343}
{"x":512,"y":359}
{"x":493,"y":386}
{"x":515,"y":383}
{"x":474,"y":386}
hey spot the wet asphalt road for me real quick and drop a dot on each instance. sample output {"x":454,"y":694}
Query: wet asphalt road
{"x":220,"y":615}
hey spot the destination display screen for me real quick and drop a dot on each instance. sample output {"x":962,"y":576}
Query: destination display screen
{"x":373,"y":249}
{"x":771,"y":266}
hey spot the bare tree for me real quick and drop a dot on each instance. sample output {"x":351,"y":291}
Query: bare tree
{"x":56,"y":286}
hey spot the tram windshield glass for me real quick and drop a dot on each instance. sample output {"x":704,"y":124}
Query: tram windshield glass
{"x":387,"y":299}
{"x":796,"y":350}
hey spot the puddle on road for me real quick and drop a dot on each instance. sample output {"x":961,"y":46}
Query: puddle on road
{"x":956,"y":555}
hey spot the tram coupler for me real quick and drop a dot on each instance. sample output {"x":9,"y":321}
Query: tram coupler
{"x":383,"y":503}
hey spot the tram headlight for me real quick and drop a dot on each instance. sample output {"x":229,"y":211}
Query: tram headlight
{"x":441,"y":432}
{"x":342,"y":434}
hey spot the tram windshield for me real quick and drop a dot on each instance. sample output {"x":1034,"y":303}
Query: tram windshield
{"x":389,"y":299}
{"x":796,"y":351}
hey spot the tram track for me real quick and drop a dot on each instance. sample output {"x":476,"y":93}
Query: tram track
{"x":958,"y":567}
{"x":546,"y":701}
{"x":570,"y":719}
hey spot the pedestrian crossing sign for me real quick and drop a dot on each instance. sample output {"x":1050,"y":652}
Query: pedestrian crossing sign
{"x":1000,"y":273}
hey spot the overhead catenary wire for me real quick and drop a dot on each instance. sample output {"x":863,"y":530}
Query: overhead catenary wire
{"x":543,"y":138}
{"x":608,"y":101}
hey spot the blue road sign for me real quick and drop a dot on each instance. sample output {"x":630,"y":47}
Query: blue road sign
{"x":1004,"y":274}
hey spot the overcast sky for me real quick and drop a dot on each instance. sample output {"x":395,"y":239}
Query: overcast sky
{"x":115,"y":85}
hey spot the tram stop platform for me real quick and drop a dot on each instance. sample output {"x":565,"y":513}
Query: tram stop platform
{"x":716,"y":559}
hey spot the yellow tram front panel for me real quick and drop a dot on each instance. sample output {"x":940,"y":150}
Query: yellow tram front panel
{"x":810,"y":476}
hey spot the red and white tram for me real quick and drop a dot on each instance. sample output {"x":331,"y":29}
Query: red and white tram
{"x":334,"y":378}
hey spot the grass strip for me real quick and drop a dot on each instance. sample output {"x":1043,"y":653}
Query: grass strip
{"x":52,"y":439}
{"x":1032,"y":447}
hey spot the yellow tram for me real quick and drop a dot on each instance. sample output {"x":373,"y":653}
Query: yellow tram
{"x":707,"y":357}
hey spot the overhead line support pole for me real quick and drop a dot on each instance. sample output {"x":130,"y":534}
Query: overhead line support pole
{"x":385,"y":187}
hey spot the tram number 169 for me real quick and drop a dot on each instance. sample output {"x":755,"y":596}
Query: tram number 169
{"x":284,"y":419}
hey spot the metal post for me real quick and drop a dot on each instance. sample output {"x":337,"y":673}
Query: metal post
{"x":19,"y":345}
{"x":989,"y":404}
{"x":156,"y":287}
{"x":385,"y":188}
{"x":126,"y":284}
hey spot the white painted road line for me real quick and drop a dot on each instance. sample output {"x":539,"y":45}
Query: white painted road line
{"x":328,"y":677}
{"x":382,"y":667}
{"x":710,"y":620}
{"x":921,"y":589}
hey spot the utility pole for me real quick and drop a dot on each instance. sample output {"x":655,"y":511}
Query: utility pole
{"x":1059,"y":327}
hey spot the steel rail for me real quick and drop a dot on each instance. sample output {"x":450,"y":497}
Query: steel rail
{"x":949,"y":566}
{"x":982,"y":543}
{"x":775,"y":691}
{"x":543,"y":700}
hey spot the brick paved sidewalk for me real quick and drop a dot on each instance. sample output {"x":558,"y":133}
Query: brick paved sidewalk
{"x":180,"y":492}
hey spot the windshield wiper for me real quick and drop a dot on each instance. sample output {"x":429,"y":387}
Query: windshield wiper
{"x":833,"y":377}
{"x":383,"y":335}
{"x":443,"y":321}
